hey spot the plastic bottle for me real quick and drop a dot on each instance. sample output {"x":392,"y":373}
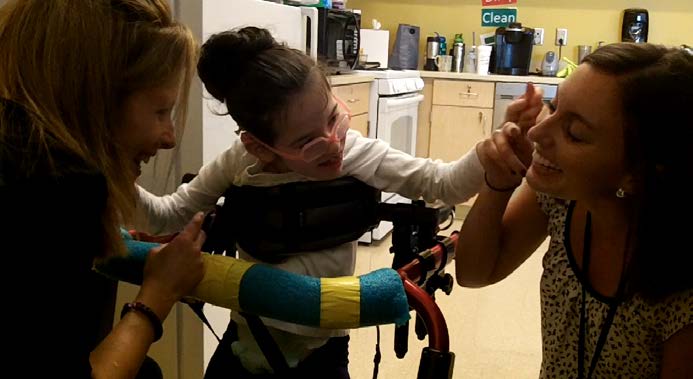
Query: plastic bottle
{"x":470,"y":60}
{"x":443,"y":46}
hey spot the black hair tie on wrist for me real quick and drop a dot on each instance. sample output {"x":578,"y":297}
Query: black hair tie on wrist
{"x":508,"y":189}
{"x":149,"y":313}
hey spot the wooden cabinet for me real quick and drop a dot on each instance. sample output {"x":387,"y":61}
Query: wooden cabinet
{"x":356,"y":97}
{"x":455,"y":130}
{"x":360,"y":123}
{"x":461,"y":116}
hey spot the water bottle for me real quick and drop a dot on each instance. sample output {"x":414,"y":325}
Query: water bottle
{"x":457,"y":53}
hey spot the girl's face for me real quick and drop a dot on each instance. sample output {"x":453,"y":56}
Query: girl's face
{"x":579,"y":152}
{"x":147,"y":125}
{"x":311,"y":114}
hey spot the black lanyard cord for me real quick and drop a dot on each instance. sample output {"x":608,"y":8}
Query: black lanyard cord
{"x":586,"y":248}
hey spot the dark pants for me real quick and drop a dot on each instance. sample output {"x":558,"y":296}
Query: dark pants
{"x":149,"y":370}
{"x":330,"y":361}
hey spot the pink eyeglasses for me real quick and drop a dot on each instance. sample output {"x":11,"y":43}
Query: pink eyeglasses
{"x":318,"y":146}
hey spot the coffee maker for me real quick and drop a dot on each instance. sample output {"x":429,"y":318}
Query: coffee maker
{"x":513,"y":49}
{"x":432,"y":51}
{"x":634,"y":27}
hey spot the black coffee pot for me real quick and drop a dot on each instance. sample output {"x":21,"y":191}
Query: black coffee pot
{"x":513,"y":50}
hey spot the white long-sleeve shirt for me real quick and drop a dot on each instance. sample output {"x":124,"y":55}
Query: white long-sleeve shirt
{"x":369,"y":160}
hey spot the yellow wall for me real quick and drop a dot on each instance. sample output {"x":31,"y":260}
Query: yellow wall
{"x":587,"y":21}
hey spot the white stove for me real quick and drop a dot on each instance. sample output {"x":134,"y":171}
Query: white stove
{"x":394,"y":106}
{"x":390,"y":74}
{"x":395,"y":82}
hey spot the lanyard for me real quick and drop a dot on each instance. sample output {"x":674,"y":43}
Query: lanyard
{"x":586,"y":251}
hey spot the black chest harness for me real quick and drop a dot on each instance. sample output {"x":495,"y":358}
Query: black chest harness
{"x":271,"y":223}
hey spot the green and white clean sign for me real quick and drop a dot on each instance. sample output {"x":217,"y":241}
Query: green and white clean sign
{"x":498,"y":16}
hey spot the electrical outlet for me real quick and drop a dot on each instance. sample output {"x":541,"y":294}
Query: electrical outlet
{"x":538,"y":36}
{"x":561,"y":37}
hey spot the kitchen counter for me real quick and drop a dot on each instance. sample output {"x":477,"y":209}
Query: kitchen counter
{"x":490,"y":77}
{"x":338,"y":80}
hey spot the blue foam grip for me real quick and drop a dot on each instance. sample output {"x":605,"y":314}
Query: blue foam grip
{"x":383,"y":300}
{"x":281,"y":295}
{"x":129,"y":267}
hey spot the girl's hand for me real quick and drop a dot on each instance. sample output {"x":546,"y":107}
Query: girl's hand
{"x":507,"y":153}
{"x":174,"y":270}
{"x":524,"y":111}
{"x":505,"y":156}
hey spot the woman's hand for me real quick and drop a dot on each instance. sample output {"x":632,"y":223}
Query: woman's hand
{"x":174,"y":270}
{"x":507,"y":153}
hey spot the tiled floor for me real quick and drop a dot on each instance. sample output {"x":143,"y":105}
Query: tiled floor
{"x":494,"y":331}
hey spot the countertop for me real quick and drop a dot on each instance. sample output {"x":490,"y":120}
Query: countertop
{"x":491,"y":77}
{"x":338,"y":80}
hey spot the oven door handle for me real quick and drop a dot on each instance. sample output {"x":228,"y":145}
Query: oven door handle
{"x":392,"y":102}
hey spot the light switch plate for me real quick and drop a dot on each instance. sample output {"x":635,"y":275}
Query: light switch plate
{"x":538,"y":36}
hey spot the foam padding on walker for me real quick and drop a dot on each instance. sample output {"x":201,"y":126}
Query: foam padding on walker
{"x":281,"y":295}
{"x":129,"y":267}
{"x":383,"y":300}
{"x":221,"y":283}
{"x":340,"y":302}
{"x":376,"y":298}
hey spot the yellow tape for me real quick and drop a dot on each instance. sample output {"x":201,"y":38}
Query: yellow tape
{"x":340,"y":302}
{"x":222,"y":281}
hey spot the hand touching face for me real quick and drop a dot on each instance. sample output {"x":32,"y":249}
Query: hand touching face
{"x":507,"y":154}
{"x":524,"y":111}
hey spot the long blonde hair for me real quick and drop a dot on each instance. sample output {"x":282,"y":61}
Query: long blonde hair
{"x":70,"y":64}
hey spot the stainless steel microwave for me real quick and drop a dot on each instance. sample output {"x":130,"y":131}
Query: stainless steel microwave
{"x":339,"y":39}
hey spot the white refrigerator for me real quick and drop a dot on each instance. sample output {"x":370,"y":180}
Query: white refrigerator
{"x":186,"y":348}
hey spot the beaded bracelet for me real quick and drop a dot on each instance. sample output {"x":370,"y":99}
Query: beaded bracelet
{"x":508,"y":189}
{"x":149,"y":313}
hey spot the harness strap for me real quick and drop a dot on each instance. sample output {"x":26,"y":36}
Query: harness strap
{"x":266,"y":343}
{"x":196,"y":307}
{"x":377,"y":356}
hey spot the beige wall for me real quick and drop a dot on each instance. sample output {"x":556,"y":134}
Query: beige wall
{"x":587,"y":21}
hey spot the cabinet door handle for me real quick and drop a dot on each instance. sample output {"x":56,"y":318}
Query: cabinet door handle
{"x":353,"y":100}
{"x":482,"y":122}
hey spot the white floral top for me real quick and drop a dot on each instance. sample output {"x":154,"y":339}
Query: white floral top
{"x":634,"y":343}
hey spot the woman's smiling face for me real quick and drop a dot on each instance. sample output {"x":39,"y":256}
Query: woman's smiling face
{"x":579,"y":150}
{"x":147,"y":123}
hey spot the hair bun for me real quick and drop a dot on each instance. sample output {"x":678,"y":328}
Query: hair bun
{"x":225,"y":56}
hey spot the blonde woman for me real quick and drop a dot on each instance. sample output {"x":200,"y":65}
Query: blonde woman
{"x":88,"y":91}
